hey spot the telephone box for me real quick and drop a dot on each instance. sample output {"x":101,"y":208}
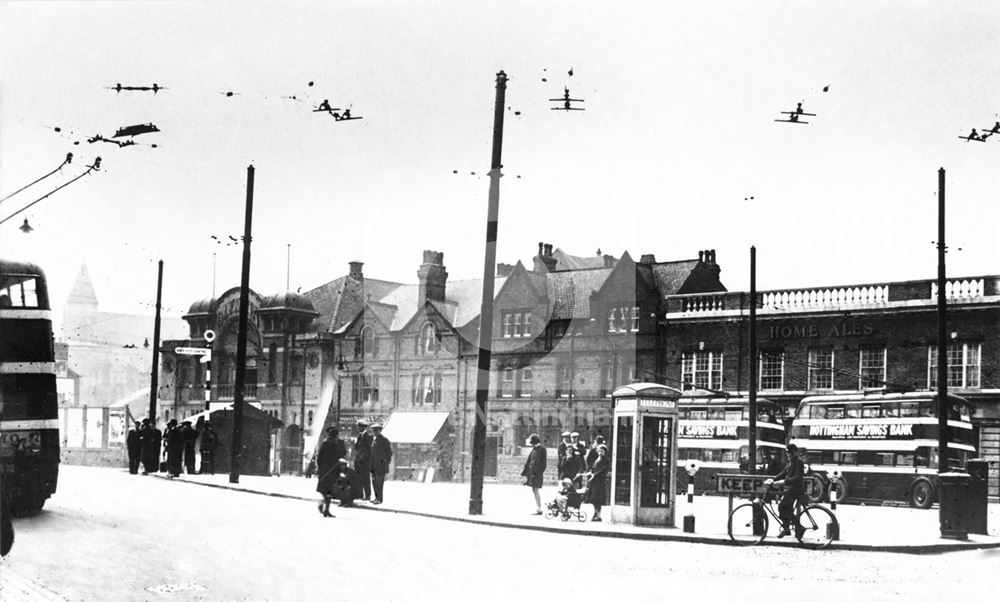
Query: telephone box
{"x":644,"y":466}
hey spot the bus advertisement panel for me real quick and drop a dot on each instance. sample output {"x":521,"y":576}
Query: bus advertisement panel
{"x":884,"y":446}
{"x":29,"y":424}
{"x":715,"y":432}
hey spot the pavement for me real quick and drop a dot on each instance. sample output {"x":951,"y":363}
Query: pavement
{"x":862,"y":528}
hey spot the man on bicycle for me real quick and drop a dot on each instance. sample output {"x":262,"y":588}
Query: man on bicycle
{"x":790,"y":480}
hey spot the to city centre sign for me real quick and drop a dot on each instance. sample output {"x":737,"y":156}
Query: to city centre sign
{"x":192,"y":351}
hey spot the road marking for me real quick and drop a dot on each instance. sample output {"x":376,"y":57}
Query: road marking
{"x":18,"y":588}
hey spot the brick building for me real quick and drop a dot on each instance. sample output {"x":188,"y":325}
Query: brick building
{"x":843,"y":340}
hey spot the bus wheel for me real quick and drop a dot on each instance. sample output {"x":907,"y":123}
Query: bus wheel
{"x":838,"y":493}
{"x":817,"y":493}
{"x":922,"y":495}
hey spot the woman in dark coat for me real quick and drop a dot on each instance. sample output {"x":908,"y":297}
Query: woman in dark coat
{"x":597,"y":489}
{"x":572,"y":465}
{"x":534,"y":470}
{"x":332,"y":450}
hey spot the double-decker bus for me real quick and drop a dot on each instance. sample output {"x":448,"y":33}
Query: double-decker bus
{"x":715,"y":431}
{"x":29,"y":423}
{"x":884,"y":445}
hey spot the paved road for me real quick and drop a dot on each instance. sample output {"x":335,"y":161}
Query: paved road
{"x":108,"y":535}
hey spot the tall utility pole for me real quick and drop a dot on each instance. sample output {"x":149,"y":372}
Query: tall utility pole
{"x":486,"y":310}
{"x":752,"y":447}
{"x":241,"y":337}
{"x":942,"y":357}
{"x":154,"y":377}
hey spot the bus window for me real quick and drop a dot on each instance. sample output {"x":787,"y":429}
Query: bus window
{"x":729,"y":455}
{"x":923,"y":457}
{"x":869,"y":411}
{"x":816,"y":412}
{"x":682,"y":414}
{"x":20,"y":294}
{"x":908,"y":409}
{"x":835,"y":412}
{"x":815,"y":457}
{"x":890,"y":410}
{"x":698,"y":414}
{"x":904,"y":459}
{"x":716,"y":414}
{"x":926,"y":409}
{"x":853,"y":411}
{"x":866,"y":458}
{"x":712,"y":455}
{"x":847,"y":458}
{"x":734,"y":415}
{"x":883,"y":459}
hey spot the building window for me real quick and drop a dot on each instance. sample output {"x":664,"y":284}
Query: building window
{"x":564,"y":380}
{"x":427,"y":388}
{"x":364,"y":388}
{"x":272,"y":363}
{"x":310,"y":418}
{"x":963,"y":365}
{"x":820,"y":369}
{"x":507,"y":382}
{"x":516,"y":324}
{"x":701,"y":370}
{"x":428,"y":342}
{"x":369,"y":342}
{"x":623,"y":319}
{"x":525,"y":382}
{"x":871,"y":368}
{"x":772,"y":371}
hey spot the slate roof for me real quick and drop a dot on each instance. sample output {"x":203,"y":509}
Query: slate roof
{"x":569,"y":292}
{"x":565,"y":261}
{"x":340,"y":301}
{"x":670,"y":276}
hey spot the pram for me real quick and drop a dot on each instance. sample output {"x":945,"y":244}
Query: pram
{"x":567,"y":505}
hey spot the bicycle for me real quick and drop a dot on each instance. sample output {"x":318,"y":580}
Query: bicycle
{"x":813,"y":525}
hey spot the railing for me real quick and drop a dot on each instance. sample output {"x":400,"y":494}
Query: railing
{"x":825,"y":297}
{"x":228,"y":391}
{"x":716,"y":302}
{"x":960,"y":289}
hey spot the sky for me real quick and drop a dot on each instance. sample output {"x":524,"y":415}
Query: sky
{"x":677,"y":151}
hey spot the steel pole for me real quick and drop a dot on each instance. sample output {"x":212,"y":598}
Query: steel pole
{"x":241,"y":337}
{"x":752,"y":435}
{"x":154,"y":382}
{"x":486,"y":310}
{"x":942,"y":351}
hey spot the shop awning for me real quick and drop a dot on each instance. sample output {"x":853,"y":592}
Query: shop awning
{"x":414,"y":427}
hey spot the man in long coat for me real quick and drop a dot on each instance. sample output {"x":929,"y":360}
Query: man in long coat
{"x":150,"y":437}
{"x":381,"y":458}
{"x":174,"y":441}
{"x":133,"y":445}
{"x":190,"y":437}
{"x":363,"y":459}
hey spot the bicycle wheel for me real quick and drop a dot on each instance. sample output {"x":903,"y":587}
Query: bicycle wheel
{"x":748,"y":524}
{"x":814,"y":526}
{"x":581,"y":515}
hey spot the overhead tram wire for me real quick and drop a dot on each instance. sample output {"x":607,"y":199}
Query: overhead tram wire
{"x":66,"y":161}
{"x":95,"y":167}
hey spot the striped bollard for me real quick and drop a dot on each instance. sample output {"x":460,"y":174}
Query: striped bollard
{"x":692,"y":469}
{"x":833,"y":529}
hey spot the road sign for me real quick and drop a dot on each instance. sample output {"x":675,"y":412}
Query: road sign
{"x":192,"y":351}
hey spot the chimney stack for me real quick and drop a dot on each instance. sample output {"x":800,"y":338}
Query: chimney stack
{"x":504,"y":269}
{"x":648,"y":258}
{"x":433,"y":277}
{"x":355,"y":272}
{"x":544,"y":261}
